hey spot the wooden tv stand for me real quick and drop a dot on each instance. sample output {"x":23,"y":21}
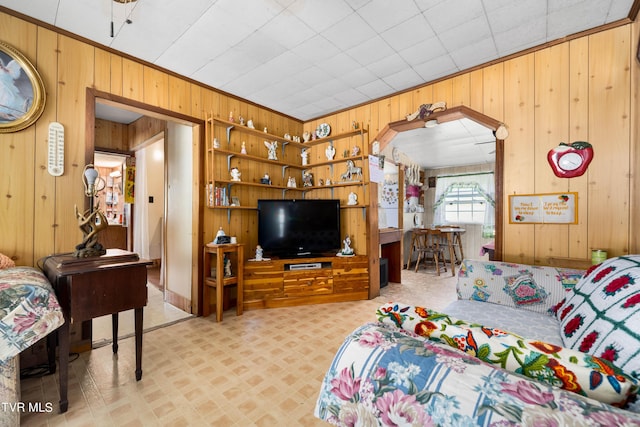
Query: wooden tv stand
{"x":299,"y":281}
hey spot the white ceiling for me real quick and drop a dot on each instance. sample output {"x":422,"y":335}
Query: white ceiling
{"x":309,"y":58}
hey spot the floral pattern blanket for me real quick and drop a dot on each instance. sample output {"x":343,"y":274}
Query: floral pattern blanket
{"x":29,"y":310}
{"x":386,"y":376}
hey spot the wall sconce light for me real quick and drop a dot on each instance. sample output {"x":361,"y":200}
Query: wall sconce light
{"x":92,"y":221}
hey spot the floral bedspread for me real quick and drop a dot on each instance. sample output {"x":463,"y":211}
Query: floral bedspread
{"x":29,"y":310}
{"x":385,"y":376}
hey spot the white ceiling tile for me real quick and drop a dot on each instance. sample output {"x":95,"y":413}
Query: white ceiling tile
{"x":618,"y":8}
{"x":225,"y":68}
{"x":338,"y":64}
{"x":384,"y":14}
{"x":43,"y":10}
{"x":515,"y":15}
{"x":370,"y":51}
{"x":436,"y":68}
{"x":351,"y":97}
{"x":474,"y":53}
{"x":563,"y":22}
{"x":529,"y":34}
{"x":358,"y":76}
{"x":349,"y":32}
{"x":320,"y":15}
{"x":388,"y":65}
{"x":312,"y":76}
{"x":408,"y":33}
{"x":259,"y":47}
{"x":423,"y":51}
{"x":375,"y":89}
{"x":403,"y":79}
{"x":443,"y":16}
{"x":286,"y":29}
{"x":252,"y":14}
{"x":315,"y":49}
{"x":457,"y":37}
{"x":357,"y":4}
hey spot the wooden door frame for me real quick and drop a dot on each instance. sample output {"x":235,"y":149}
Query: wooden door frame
{"x":386,"y":135}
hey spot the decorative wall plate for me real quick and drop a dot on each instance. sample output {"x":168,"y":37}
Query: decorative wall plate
{"x":323,"y":130}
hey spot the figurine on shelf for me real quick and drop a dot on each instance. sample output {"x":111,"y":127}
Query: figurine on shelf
{"x":307,"y":179}
{"x":352,"y":172}
{"x":231,"y":116}
{"x":265,"y":130}
{"x":216,"y":143}
{"x":355,"y":151}
{"x":287,"y":136}
{"x":272,"y":149}
{"x":305,"y":156}
{"x":353,"y":199}
{"x":250,"y":124}
{"x":235,"y":174}
{"x":259,"y":253}
{"x":227,"y":267}
{"x":346,"y":247}
{"x":320,"y":181}
{"x":243,"y":149}
{"x":328,"y":181}
{"x":355,"y":125}
{"x":266,"y":179}
{"x":291,"y":183}
{"x":306,"y":136}
{"x":220,"y":238}
{"x":241,"y":121}
{"x":330,"y":151}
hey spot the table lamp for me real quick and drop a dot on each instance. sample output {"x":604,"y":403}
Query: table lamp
{"x":92,"y":221}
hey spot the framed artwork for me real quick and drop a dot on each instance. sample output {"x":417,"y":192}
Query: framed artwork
{"x":546,"y":208}
{"x":22,"y":94}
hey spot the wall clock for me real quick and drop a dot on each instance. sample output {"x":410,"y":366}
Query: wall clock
{"x":570,"y":160}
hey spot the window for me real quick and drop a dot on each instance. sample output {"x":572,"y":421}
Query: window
{"x":464,"y":203}
{"x":466,"y":199}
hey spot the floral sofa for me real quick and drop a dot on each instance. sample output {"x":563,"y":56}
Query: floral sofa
{"x":29,"y":311}
{"x":537,"y":346}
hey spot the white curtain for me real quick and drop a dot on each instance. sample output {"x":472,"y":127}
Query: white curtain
{"x":141,"y":209}
{"x":486,"y":187}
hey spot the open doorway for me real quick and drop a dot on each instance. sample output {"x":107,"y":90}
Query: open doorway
{"x":164,"y":164}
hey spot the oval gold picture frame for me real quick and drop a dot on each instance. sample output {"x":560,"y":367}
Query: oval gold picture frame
{"x":22,"y":94}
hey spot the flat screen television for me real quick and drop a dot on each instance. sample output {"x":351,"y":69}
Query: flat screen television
{"x":299,"y":228}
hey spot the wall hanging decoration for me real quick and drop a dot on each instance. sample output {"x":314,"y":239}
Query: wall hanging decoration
{"x":548,"y":208}
{"x":22,"y":94}
{"x":570,"y":160}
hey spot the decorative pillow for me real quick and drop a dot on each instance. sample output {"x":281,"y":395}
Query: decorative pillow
{"x":6,"y":262}
{"x":523,"y":290}
{"x":533,"y":288}
{"x":561,"y":367}
{"x":601,"y":316}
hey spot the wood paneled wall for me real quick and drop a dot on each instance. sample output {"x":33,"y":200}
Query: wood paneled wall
{"x":37,"y":210}
{"x":584,"y":89}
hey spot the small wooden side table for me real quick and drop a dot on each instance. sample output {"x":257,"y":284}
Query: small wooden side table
{"x":92,"y":287}
{"x":220,"y":281}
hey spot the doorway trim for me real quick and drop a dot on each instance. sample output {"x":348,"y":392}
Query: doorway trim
{"x":93,"y":96}
{"x":386,"y":135}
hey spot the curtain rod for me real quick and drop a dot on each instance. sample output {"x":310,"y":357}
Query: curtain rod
{"x":464,"y":174}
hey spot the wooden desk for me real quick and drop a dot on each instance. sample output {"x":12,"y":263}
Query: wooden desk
{"x":92,"y":287}
{"x":391,"y":248}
